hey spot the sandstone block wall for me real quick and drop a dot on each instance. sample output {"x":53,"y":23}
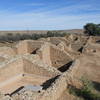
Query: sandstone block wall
{"x":34,"y":45}
{"x":22,"y":47}
{"x":93,"y":39}
{"x":32,"y":68}
{"x":10,"y":69}
{"x":53,"y":56}
{"x":91,"y":48}
{"x":7,"y":52}
{"x":54,"y":92}
{"x":20,"y":66}
{"x":54,"y":40}
{"x":2,"y":59}
{"x":58,"y":57}
{"x":28,"y":46}
{"x":44,"y":54}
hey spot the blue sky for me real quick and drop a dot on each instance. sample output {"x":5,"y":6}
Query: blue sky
{"x":48,"y":14}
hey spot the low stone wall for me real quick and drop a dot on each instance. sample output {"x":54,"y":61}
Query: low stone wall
{"x":2,"y":59}
{"x":20,"y":65}
{"x":60,"y":85}
{"x":54,"y":40}
{"x":55,"y":90}
{"x":91,"y":48}
{"x":28,"y":46}
{"x":35,"y":59}
{"x":10,"y":69}
{"x":58,"y":57}
{"x":33,"y":68}
{"x":7,"y":52}
{"x":93,"y":39}
{"x":53,"y":56}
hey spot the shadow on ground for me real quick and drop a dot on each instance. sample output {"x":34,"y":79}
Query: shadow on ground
{"x":48,"y":83}
{"x":96,"y":85}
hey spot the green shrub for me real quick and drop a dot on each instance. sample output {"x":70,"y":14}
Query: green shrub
{"x":16,"y":37}
{"x":92,"y":29}
{"x":86,"y":91}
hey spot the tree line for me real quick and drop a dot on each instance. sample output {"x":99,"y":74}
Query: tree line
{"x":16,"y":37}
{"x":89,"y":29}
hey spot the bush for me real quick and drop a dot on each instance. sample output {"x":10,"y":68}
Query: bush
{"x":16,"y":37}
{"x":92,"y":29}
{"x":86,"y":91}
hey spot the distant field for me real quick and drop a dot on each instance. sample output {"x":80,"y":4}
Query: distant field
{"x":80,"y":31}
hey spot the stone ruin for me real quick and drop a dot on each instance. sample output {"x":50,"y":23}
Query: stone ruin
{"x":43,"y":69}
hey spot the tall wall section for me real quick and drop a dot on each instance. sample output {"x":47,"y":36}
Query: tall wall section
{"x":58,"y":57}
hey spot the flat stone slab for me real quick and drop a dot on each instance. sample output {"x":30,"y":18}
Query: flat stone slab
{"x":32,"y":88}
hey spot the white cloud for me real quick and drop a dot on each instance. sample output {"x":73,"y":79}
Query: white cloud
{"x":47,"y":19}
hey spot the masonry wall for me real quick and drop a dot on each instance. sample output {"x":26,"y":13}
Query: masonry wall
{"x":34,"y":45}
{"x":54,"y":92}
{"x":46,"y":55}
{"x":28,"y":46}
{"x":53,"y":56}
{"x":20,"y":66}
{"x":58,"y":57}
{"x":22,"y":47}
{"x":11,"y":69}
{"x":91,"y":48}
{"x":7,"y":52}
{"x":31,"y":68}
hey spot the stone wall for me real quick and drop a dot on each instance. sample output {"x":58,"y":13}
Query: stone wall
{"x":53,"y":56}
{"x":22,"y":47}
{"x":91,"y":48}
{"x":7,"y":52}
{"x":28,"y":46}
{"x":55,"y":90}
{"x":58,"y":57}
{"x":44,"y":54}
{"x":33,"y":68}
{"x":60,"y":85}
{"x":10,"y":71}
{"x":20,"y":65}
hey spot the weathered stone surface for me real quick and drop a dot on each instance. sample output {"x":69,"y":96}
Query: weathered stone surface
{"x":53,"y":63}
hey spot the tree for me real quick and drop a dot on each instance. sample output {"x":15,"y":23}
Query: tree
{"x":50,"y":34}
{"x":92,"y":29}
